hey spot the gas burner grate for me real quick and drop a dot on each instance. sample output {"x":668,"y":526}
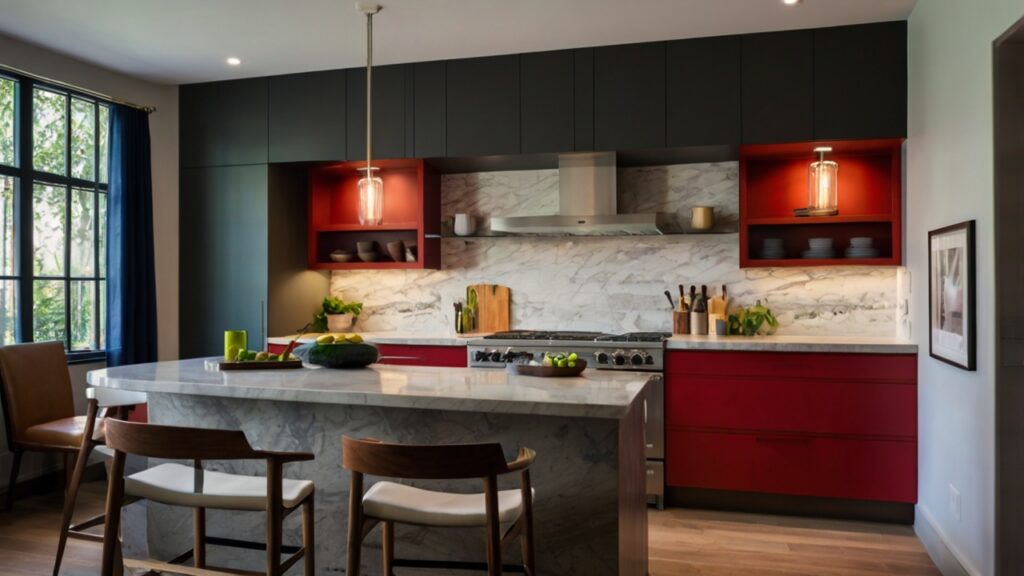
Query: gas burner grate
{"x":637,"y":337}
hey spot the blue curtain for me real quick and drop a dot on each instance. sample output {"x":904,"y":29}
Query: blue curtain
{"x":131,"y":283}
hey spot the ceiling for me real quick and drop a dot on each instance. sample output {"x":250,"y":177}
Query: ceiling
{"x":183,"y":41}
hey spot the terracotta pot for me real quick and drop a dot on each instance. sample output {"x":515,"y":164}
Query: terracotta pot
{"x":340,"y":322}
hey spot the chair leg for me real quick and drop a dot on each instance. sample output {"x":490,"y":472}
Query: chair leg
{"x":388,"y":547}
{"x":355,"y":525}
{"x":69,"y":500}
{"x":308,"y":537}
{"x":493,"y":527}
{"x":13,"y":483}
{"x":526,"y":538}
{"x":115,"y":496}
{"x":198,"y":537}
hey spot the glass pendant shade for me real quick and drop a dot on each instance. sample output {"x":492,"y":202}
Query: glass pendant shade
{"x":823,"y":186}
{"x":371,"y":198}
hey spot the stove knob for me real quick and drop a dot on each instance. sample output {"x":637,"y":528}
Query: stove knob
{"x":620,"y":358}
{"x":602,"y":357}
{"x":480,"y":356}
{"x":636,"y":359}
{"x":649,"y":359}
{"x":495,"y":356}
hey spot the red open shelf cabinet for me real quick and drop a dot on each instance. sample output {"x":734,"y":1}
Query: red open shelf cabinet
{"x":773,"y":182}
{"x":412,"y":213}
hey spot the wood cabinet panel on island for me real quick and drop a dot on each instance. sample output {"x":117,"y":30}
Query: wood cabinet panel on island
{"x":802,"y":424}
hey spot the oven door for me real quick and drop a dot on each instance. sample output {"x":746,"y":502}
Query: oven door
{"x":654,"y":418}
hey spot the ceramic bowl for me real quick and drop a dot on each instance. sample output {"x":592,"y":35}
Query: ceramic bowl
{"x":368,"y":246}
{"x":340,"y":256}
{"x":369,"y":256}
{"x":396,"y":250}
{"x":820,"y":243}
{"x":862,"y":242}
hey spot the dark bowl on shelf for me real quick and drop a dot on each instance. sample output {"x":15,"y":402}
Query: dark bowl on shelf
{"x":341,"y":256}
{"x":369,"y":256}
{"x":367,"y":246}
{"x":396,"y":250}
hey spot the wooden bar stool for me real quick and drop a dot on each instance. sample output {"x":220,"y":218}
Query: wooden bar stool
{"x":388,"y":503}
{"x":193,"y":487}
{"x":39,"y":411}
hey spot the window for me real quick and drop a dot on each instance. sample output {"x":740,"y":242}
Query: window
{"x":53,"y":187}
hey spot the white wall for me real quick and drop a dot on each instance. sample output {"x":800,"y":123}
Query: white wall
{"x":950,"y":177}
{"x":164,"y":141}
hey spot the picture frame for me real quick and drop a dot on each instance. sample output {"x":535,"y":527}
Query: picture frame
{"x":952,"y":322}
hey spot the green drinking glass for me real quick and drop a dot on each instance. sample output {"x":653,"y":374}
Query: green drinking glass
{"x":234,"y":340}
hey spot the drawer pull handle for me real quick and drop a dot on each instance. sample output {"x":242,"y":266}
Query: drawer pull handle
{"x":783,"y":440}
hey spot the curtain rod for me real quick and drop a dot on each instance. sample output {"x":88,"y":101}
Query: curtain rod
{"x":146,"y":109}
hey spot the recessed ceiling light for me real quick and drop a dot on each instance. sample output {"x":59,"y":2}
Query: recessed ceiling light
{"x":791,"y":2}
{"x":233,"y":61}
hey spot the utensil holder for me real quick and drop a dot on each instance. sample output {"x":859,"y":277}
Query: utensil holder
{"x":680,"y":322}
{"x":699,"y":323}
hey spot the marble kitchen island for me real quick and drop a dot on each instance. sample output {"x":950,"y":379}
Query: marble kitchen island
{"x":590,"y":508}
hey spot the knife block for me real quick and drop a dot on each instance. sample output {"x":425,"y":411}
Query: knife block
{"x":680,"y":322}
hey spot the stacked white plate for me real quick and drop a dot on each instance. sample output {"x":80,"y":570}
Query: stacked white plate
{"x":819,"y":248}
{"x":861,"y":247}
{"x":773,"y":249}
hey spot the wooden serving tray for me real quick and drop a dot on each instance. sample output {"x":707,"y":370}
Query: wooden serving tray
{"x":261,"y":365}
{"x":547,"y":371}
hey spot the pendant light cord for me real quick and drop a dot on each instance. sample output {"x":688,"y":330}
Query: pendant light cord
{"x":369,"y":93}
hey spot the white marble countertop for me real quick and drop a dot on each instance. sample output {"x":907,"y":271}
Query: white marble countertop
{"x":597,"y":394}
{"x":397,"y":337}
{"x":846,"y":344}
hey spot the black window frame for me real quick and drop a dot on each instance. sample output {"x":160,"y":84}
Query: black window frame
{"x":25,"y":178}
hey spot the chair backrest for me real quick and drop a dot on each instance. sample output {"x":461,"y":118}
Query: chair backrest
{"x":36,"y":386}
{"x":428,"y":462}
{"x":178,"y":443}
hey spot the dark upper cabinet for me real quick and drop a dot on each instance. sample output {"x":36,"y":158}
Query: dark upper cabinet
{"x":546,"y":99}
{"x":307,"y":117}
{"x":583,"y":99}
{"x":224,"y":256}
{"x":860,"y":81}
{"x":389,"y":110}
{"x":778,"y":87}
{"x":703,"y":86}
{"x":428,"y":109}
{"x":223,"y":123}
{"x":629,"y":96}
{"x":482,"y":106}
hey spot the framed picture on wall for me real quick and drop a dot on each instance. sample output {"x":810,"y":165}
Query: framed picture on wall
{"x":951,"y":320}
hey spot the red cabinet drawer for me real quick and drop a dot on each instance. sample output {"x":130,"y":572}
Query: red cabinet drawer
{"x":795,"y":405}
{"x":797,"y":465}
{"x":860,"y":367}
{"x":407,"y":355}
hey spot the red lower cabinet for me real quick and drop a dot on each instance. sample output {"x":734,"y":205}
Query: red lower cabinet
{"x":409,"y":355}
{"x":854,"y":469}
{"x":824,"y":425}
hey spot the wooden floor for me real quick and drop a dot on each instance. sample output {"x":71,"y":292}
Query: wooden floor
{"x":682,"y":542}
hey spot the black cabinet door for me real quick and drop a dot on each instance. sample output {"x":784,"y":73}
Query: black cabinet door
{"x":629,"y":96}
{"x":482,"y":109}
{"x":546,"y":89}
{"x":583,"y":99}
{"x":778,"y":87}
{"x":860,"y":81}
{"x":223,"y":256}
{"x":307,"y":117}
{"x":428,"y":109}
{"x":389,"y":95}
{"x":223,"y":123}
{"x":703,"y":84}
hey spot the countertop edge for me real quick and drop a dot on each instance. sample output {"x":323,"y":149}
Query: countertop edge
{"x":766,"y":344}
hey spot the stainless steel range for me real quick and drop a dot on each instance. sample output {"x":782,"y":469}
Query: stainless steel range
{"x":633,"y":351}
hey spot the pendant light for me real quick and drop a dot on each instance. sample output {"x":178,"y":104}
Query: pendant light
{"x":371,"y":186}
{"x":823,"y":185}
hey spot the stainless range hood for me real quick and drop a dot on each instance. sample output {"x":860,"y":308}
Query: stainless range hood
{"x":587,"y":204}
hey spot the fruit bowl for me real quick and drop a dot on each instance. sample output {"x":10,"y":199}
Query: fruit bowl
{"x":547,"y":371}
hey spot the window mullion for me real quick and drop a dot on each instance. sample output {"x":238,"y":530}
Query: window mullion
{"x":23,"y":207}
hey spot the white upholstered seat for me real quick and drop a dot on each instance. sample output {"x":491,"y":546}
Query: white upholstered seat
{"x":410,"y":505}
{"x":175,"y":484}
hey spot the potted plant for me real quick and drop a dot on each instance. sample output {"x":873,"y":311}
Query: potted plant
{"x":336,"y":315}
{"x":757,"y":319}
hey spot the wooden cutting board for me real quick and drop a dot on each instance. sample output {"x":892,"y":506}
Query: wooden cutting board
{"x":494,"y":310}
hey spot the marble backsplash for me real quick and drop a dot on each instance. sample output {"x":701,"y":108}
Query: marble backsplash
{"x":615,"y":283}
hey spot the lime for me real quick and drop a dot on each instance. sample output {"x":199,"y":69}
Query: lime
{"x":262,"y":356}
{"x":325,"y":339}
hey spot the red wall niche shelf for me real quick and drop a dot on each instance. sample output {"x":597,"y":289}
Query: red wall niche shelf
{"x":412,"y":213}
{"x":773,"y":182}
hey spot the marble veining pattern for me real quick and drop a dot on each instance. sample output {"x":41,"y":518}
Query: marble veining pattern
{"x":614,"y":284}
